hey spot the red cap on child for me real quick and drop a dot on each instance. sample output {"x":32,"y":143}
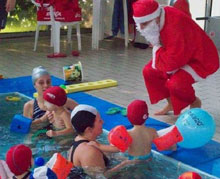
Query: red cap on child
{"x":55,"y":95}
{"x":137,"y":112}
{"x":19,"y":158}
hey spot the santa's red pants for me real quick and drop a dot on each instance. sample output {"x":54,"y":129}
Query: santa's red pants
{"x":177,"y":87}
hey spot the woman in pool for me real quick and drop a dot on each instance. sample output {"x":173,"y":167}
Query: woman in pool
{"x":35,"y":108}
{"x":87,"y":123}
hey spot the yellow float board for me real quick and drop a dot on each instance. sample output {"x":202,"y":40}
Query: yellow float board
{"x":89,"y":86}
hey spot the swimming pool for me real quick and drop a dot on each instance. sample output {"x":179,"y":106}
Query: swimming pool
{"x":160,"y":167}
{"x":40,"y":144}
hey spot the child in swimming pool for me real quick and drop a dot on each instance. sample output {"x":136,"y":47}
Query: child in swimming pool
{"x":137,"y":113}
{"x":142,"y":136}
{"x":19,"y":160}
{"x":35,"y":109}
{"x":54,"y":100}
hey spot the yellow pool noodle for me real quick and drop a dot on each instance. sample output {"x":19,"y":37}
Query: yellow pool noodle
{"x":89,"y":86}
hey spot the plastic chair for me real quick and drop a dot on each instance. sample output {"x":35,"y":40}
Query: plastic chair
{"x":67,"y":18}
{"x":56,"y":20}
{"x":43,"y":18}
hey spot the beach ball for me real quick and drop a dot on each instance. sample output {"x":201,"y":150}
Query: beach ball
{"x":190,"y":175}
{"x":196,"y":126}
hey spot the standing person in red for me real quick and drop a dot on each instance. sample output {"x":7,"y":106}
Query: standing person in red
{"x":182,"y":5}
{"x":182,"y":55}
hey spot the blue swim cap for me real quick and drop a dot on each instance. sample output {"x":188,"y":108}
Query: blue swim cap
{"x":38,"y":72}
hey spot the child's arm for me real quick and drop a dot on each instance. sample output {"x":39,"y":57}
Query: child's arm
{"x":120,"y":166}
{"x":104,"y":148}
{"x":68,"y":127}
{"x":154,"y":133}
{"x":10,"y":5}
{"x":70,"y":104}
{"x":167,"y":138}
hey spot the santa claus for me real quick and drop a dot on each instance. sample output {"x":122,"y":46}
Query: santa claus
{"x":182,"y":55}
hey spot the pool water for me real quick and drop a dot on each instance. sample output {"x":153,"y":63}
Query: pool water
{"x":7,"y":110}
{"x":41,"y":145}
{"x":160,"y":167}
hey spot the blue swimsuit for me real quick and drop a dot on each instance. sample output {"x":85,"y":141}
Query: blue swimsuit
{"x":141,"y":157}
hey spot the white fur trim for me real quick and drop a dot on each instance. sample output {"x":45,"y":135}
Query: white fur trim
{"x":84,"y":107}
{"x":189,"y":70}
{"x":155,"y":48}
{"x":162,"y":18}
{"x":194,"y":75}
{"x":148,"y":17}
{"x":172,"y":72}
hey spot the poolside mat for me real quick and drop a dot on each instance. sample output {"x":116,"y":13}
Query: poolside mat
{"x":206,"y":158}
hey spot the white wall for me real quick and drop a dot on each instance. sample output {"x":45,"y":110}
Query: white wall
{"x":216,"y":8}
{"x":197,"y":9}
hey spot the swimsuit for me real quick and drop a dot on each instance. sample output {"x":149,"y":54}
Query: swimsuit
{"x":75,"y":145}
{"x":141,"y":157}
{"x":37,"y":112}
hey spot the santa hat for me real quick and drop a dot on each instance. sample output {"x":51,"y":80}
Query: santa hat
{"x":145,"y":10}
{"x":19,"y":159}
{"x":137,"y":112}
{"x":55,"y":95}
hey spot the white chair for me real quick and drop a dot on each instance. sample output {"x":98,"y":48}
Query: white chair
{"x":42,"y":21}
{"x":57,"y":26}
{"x":55,"y":32}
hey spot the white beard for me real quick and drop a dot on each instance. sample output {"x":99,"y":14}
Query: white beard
{"x":151,"y":32}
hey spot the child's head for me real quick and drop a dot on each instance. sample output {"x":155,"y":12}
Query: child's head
{"x":137,"y":112}
{"x":84,"y":116}
{"x":54,"y":96}
{"x":19,"y":159}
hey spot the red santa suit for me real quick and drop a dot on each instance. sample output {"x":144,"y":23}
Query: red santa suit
{"x":186,"y":55}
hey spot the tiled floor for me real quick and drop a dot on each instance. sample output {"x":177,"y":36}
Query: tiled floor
{"x":113,"y":61}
